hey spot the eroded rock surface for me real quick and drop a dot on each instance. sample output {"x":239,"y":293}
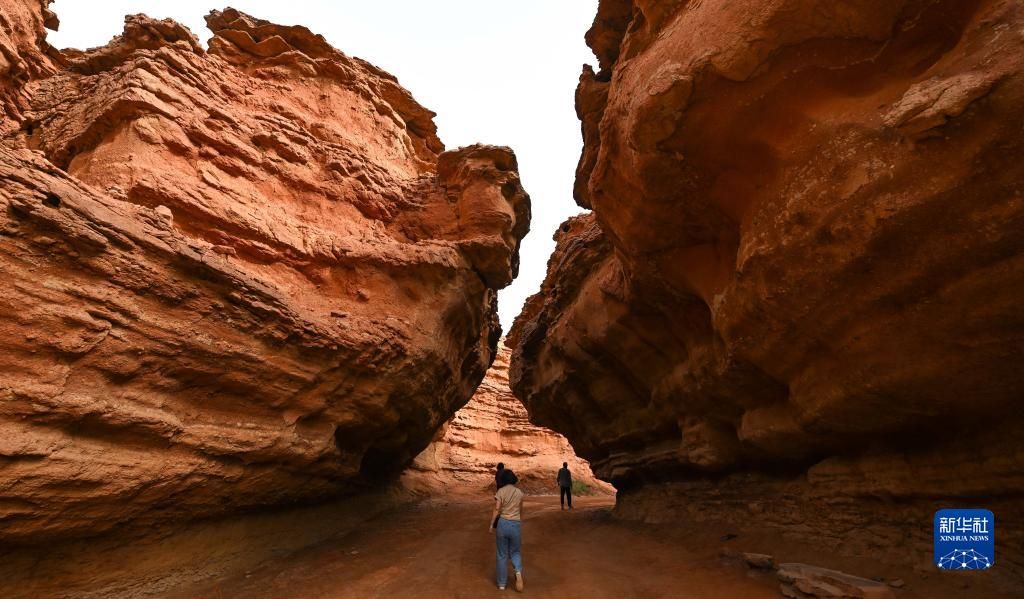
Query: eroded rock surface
{"x":24,"y":55}
{"x":806,"y":245}
{"x":235,"y":277}
{"x":801,"y":581}
{"x":494,"y":427}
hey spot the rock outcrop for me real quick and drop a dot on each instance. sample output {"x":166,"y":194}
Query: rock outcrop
{"x":236,"y":277}
{"x":801,"y":581}
{"x":24,"y":55}
{"x":494,"y":427}
{"x":803,"y":270}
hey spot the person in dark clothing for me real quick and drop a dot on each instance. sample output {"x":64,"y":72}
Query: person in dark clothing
{"x":497,"y":475}
{"x":565,"y":485}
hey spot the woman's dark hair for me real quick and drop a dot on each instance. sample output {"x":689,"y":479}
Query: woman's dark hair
{"x":501,"y":465}
{"x":508,"y":477}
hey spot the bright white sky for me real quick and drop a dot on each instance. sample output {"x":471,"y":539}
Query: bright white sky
{"x":495,"y":71}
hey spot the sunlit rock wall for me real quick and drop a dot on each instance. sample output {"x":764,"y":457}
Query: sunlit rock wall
{"x":233,"y":277}
{"x":805,"y":262}
{"x":494,"y":428}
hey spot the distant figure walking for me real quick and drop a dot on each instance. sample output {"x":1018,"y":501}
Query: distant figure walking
{"x":565,"y":485}
{"x":497,"y":475}
{"x":507,"y":516}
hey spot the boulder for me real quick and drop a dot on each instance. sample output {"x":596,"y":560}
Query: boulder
{"x":805,"y":581}
{"x":760,"y":561}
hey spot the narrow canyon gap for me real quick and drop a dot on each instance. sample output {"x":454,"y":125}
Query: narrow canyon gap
{"x":244,"y":281}
{"x":494,"y":428}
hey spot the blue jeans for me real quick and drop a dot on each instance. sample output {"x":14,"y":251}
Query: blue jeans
{"x":510,"y":540}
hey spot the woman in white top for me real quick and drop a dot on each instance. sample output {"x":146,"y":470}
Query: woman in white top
{"x":507,"y":517}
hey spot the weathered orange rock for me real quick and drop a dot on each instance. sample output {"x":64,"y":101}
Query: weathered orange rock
{"x":494,"y":427}
{"x":235,"y":277}
{"x":806,"y":242}
{"x":24,"y":55}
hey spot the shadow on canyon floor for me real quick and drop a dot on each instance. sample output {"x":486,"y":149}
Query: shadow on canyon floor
{"x":383,"y":545}
{"x":439,"y":549}
{"x":444,"y":550}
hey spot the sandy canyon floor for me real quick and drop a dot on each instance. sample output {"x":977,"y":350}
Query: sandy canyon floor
{"x":439,"y":549}
{"x":444,"y":550}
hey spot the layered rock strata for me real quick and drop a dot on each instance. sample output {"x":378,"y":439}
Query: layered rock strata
{"x":232,"y":277}
{"x":494,"y":427}
{"x":806,"y":255}
{"x":24,"y":55}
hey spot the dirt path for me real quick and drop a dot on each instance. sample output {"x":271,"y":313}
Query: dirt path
{"x":446,"y":551}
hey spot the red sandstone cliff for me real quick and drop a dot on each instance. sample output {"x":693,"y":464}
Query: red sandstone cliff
{"x":235,"y":277}
{"x":494,"y":427}
{"x":24,"y":55}
{"x":798,"y":294}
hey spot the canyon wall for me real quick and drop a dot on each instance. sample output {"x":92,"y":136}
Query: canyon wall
{"x":234,"y":277}
{"x":796,"y":301}
{"x":24,"y":55}
{"x":494,"y":427}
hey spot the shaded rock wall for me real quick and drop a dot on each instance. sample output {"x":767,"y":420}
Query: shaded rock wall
{"x":806,"y":245}
{"x":236,"y":277}
{"x":175,"y":558}
{"x":494,"y":427}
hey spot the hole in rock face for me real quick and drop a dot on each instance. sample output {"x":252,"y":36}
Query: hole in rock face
{"x":377,"y":464}
{"x":508,"y":190}
{"x":52,"y":200}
